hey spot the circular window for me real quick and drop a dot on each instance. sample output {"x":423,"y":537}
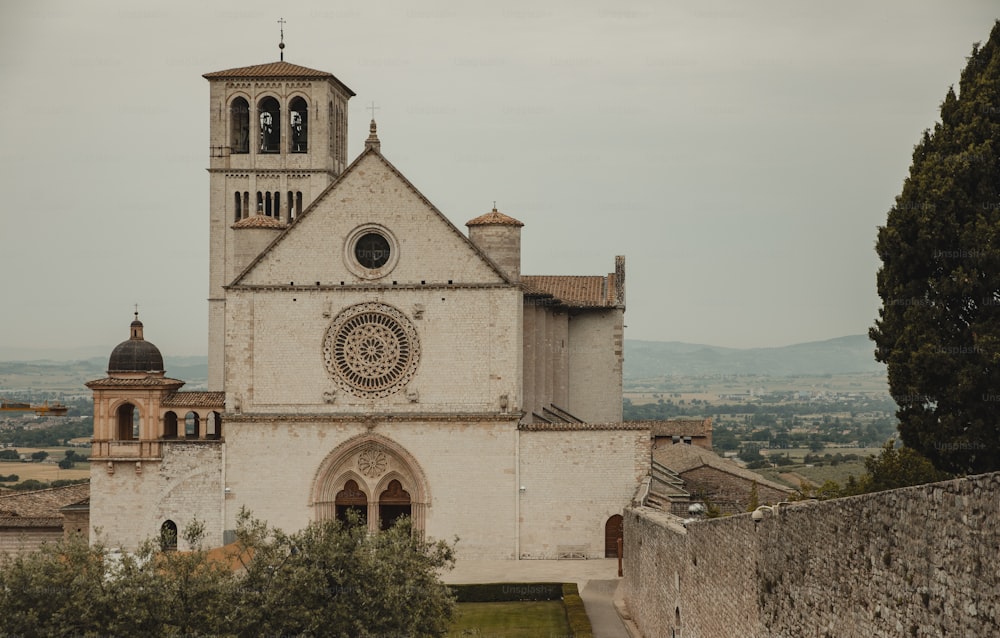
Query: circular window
{"x":371,"y":251}
{"x":371,"y":350}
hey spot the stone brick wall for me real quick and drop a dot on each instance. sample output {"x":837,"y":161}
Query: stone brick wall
{"x":729,"y":492}
{"x":920,"y":561}
{"x":595,"y":365}
{"x":574,"y":480}
{"x":130,"y":504}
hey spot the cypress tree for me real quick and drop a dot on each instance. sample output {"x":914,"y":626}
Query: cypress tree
{"x":939,"y":326}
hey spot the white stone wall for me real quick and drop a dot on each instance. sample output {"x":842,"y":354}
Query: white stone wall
{"x":430,"y":248}
{"x":469,"y":466}
{"x":129,"y":506}
{"x":469,"y":350}
{"x":595,"y":366}
{"x":574,"y":480}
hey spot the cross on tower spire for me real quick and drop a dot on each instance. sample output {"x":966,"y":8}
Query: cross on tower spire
{"x":372,"y":108}
{"x":281,"y":45}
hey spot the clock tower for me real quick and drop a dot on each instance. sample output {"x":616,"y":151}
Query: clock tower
{"x":278,"y":138}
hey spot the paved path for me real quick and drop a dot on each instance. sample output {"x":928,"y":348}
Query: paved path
{"x":597,"y":580}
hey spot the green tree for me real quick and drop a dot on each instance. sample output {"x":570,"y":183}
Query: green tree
{"x":329,"y":579}
{"x":336,"y":579}
{"x":897,"y":467}
{"x":939,"y":326}
{"x":39,"y":456}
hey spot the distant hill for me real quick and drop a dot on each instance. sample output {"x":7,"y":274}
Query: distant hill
{"x":69,"y":376}
{"x":843,"y":355}
{"x":60,"y":371}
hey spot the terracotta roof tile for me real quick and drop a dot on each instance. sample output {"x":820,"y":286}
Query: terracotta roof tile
{"x":581,"y":291}
{"x":41,"y":504}
{"x":494,"y":217}
{"x":144,"y":382}
{"x":260,"y":221}
{"x":195,"y":400}
{"x":683,"y":458}
{"x":269,"y":70}
{"x":274,"y":70}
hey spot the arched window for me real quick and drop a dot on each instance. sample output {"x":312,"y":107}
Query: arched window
{"x":298,"y":203}
{"x":239,"y":126}
{"x":192,"y":425}
{"x":237,"y":206}
{"x":267,"y":204}
{"x":168,"y":536}
{"x":213,"y":427}
{"x":393,"y":504}
{"x":128,"y":422}
{"x":246,"y":204}
{"x":352,"y":499}
{"x":298,"y":125}
{"x":260,"y":203}
{"x":170,"y":425}
{"x":270,"y":125}
{"x":291,"y":207}
{"x":277,"y":204}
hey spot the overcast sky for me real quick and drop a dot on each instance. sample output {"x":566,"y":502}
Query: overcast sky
{"x":740,"y":154}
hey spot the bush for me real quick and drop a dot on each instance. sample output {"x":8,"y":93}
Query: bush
{"x":576,"y":613}
{"x":13,"y":478}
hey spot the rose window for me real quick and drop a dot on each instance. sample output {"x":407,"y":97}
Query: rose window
{"x":371,"y":350}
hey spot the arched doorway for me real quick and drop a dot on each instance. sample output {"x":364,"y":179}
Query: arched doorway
{"x":393,"y":504}
{"x":352,"y":501}
{"x":613,"y":530}
{"x":387,"y":476}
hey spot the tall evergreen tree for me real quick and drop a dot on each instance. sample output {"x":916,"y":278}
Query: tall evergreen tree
{"x":939,"y":327}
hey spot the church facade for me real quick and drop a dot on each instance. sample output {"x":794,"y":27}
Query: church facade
{"x":367,"y":355}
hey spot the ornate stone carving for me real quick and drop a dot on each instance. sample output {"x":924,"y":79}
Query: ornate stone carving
{"x":372,"y":462}
{"x":371,"y":350}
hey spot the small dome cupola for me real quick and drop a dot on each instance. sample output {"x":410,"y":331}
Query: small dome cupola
{"x":499,"y":236}
{"x":136,"y":354}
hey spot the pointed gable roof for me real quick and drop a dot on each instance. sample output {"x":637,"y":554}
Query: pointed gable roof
{"x":275,"y":70}
{"x":376,"y":152}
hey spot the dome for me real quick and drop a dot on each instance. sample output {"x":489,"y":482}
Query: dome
{"x":136,"y":354}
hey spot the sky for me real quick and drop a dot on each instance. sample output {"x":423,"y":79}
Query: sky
{"x":740,"y":155}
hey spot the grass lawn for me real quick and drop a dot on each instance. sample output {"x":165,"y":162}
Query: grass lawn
{"x":511,"y":620}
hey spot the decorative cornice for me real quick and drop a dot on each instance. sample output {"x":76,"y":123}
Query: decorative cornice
{"x":371,"y":420}
{"x":368,"y":287}
{"x":635,"y":426}
{"x":277,"y":172}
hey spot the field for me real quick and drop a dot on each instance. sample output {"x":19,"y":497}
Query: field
{"x":817,"y":474}
{"x":510,"y":620}
{"x":47,"y":470}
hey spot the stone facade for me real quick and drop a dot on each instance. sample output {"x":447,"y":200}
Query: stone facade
{"x":920,"y":561}
{"x":366,"y":355}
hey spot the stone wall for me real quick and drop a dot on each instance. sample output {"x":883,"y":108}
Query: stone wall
{"x":574,"y":479}
{"x":920,"y":561}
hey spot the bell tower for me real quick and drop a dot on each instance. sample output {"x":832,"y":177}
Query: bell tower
{"x":277,"y":139}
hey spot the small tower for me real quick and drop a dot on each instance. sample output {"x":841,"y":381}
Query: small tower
{"x":127,"y":401}
{"x":499,"y":236}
